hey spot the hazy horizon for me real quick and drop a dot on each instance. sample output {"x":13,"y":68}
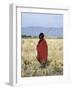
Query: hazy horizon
{"x":35,"y":23}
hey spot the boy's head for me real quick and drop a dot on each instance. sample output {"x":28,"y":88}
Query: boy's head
{"x":41,"y":35}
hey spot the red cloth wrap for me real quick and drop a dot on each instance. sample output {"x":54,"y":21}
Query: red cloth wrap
{"x":42,"y":51}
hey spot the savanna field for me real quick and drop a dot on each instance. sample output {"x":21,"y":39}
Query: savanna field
{"x":29,"y":64}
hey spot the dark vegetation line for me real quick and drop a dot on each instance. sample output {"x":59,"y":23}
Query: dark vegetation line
{"x":35,"y":37}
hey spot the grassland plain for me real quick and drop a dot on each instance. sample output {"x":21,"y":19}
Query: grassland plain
{"x":29,"y":64}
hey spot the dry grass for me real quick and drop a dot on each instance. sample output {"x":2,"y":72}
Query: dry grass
{"x":31,"y":67}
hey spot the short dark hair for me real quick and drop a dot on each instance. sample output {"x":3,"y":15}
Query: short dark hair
{"x":41,"y":35}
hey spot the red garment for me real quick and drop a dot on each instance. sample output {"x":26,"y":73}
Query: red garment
{"x":42,"y":51}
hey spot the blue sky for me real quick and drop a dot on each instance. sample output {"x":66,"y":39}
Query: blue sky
{"x":40,"y":20}
{"x":44,"y":20}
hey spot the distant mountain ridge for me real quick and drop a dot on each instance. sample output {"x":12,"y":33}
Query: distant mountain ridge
{"x":35,"y":30}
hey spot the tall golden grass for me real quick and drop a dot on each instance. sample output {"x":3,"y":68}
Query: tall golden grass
{"x":30,"y":65}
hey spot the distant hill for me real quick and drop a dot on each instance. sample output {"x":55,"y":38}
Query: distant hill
{"x":49,"y":32}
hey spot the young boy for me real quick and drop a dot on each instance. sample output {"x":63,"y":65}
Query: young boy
{"x":42,"y":50}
